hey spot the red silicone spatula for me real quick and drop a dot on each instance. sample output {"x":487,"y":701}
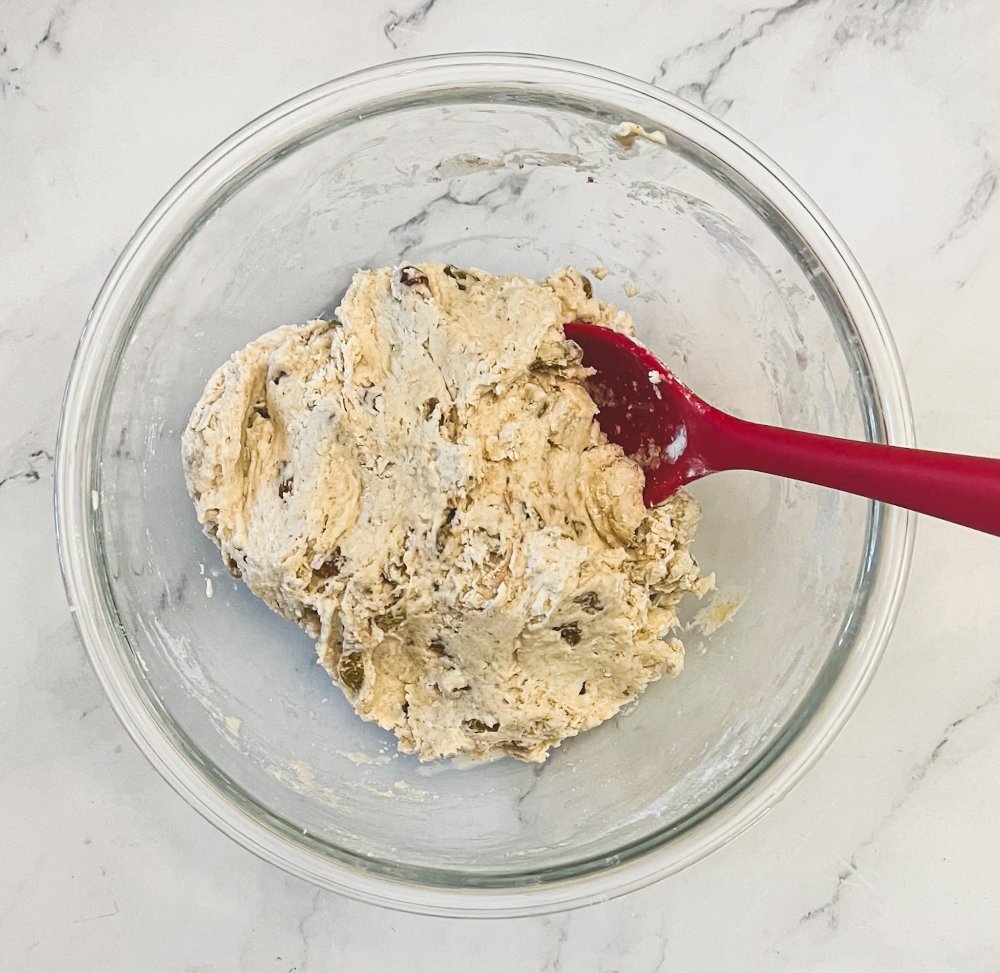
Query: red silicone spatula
{"x":678,"y":438}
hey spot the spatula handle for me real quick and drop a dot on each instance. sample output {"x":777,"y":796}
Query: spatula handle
{"x":962,"y":489}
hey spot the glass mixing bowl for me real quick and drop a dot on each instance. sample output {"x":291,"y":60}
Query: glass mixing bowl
{"x":508,"y":163}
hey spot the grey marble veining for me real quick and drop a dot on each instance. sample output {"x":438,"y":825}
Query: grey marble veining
{"x":886,"y":855}
{"x":411,"y":21}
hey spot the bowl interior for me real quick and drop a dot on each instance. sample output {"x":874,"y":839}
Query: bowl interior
{"x":511,"y":180}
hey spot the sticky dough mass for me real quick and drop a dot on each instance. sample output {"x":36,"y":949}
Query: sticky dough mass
{"x":420,"y":483}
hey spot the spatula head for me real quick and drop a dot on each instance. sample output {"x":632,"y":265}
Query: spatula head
{"x":643,"y":408}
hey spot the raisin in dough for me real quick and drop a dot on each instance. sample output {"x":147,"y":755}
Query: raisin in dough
{"x":421,"y":484}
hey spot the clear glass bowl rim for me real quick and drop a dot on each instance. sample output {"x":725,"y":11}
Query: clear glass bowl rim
{"x":763,"y":785}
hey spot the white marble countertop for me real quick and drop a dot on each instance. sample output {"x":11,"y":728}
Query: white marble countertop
{"x":886,"y":857}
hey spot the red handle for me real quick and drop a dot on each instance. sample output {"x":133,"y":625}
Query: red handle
{"x":962,"y":489}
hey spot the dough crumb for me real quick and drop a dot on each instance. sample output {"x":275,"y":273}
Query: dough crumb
{"x":627,"y":133}
{"x":719,"y":611}
{"x":421,"y":484}
{"x":599,"y":271}
{"x":629,"y":289}
{"x":304,"y":773}
{"x":360,"y":759}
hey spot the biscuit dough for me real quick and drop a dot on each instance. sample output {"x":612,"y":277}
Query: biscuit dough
{"x":421,"y":484}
